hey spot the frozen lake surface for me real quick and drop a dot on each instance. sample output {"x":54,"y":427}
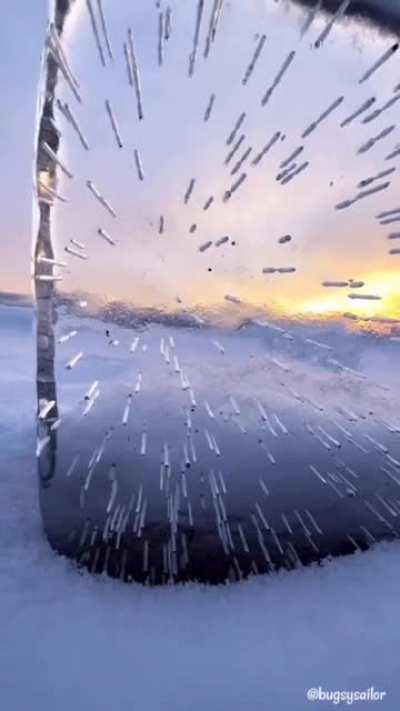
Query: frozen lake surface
{"x":214,"y":452}
{"x":72,"y":640}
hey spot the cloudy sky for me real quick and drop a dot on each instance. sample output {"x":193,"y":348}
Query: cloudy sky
{"x":175,"y":145}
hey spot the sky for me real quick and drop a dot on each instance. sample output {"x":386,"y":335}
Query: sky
{"x":25,"y":22}
{"x":149,"y":269}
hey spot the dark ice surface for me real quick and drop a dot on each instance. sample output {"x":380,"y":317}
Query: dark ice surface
{"x":223,"y":487}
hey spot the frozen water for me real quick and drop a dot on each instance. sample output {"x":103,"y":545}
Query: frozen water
{"x":70,"y":640}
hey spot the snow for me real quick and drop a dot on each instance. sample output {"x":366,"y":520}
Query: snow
{"x":72,"y":641}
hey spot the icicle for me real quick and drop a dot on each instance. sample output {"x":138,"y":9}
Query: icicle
{"x":50,"y":194}
{"x":106,"y":236}
{"x":184,"y":486}
{"x":285,"y":66}
{"x":75,"y":242}
{"x":135,"y":74}
{"x":114,"y":124}
{"x":71,"y":363}
{"x":56,"y":159}
{"x":219,"y":347}
{"x":380,"y":447}
{"x":234,"y":404}
{"x":372,"y":116}
{"x":384,"y":58}
{"x":329,"y":437}
{"x":160,"y":38}
{"x":73,"y":466}
{"x":234,"y":150}
{"x":353,"y":542}
{"x":189,"y":190}
{"x":167,"y":24}
{"x":393,"y":461}
{"x":322,"y":117}
{"x":364,"y":297}
{"x":261,"y":410}
{"x":378,"y":515}
{"x":113,"y":494}
{"x":235,"y":129}
{"x":228,"y":193}
{"x":294,"y":173}
{"x":324,"y":346}
{"x":96,"y":32}
{"x":45,"y":408}
{"x":216,"y":448}
{"x":222,"y":482}
{"x":262,"y":517}
{"x":104,"y":28}
{"x":127,"y":408}
{"x":214,"y":20}
{"x":90,"y":403}
{"x":56,"y":424}
{"x":232,"y":299}
{"x":292,"y":157}
{"x":60,"y":59}
{"x":241,"y":160}
{"x":205,"y":246}
{"x":192,"y":450}
{"x":100,"y":198}
{"x":145,"y":556}
{"x":371,"y":142}
{"x":208,"y":409}
{"x":128,"y":64}
{"x":392,"y":155}
{"x":166,"y":461}
{"x":287,"y":524}
{"x":336,"y":16}
{"x":280,"y":424}
{"x":134,"y":344}
{"x":266,"y":148}
{"x":364,"y":107}
{"x":221,"y":241}
{"x":199,"y":15}
{"x":209,"y":440}
{"x":277,"y":541}
{"x":317,"y":473}
{"x":190,"y":514}
{"x":322,"y":441}
{"x":313,"y":521}
{"x":67,"y":337}
{"x":76,"y":253}
{"x":256,"y":55}
{"x":48,"y":277}
{"x":209,"y":107}
{"x":185,"y":385}
{"x":270,"y":456}
{"x":41,"y":444}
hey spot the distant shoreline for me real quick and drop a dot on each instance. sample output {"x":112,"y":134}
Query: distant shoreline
{"x":11,"y":299}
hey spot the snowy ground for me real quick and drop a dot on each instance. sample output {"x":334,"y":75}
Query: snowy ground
{"x":76,"y":642}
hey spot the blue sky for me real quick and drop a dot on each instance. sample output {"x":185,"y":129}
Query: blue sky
{"x":22,"y":31}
